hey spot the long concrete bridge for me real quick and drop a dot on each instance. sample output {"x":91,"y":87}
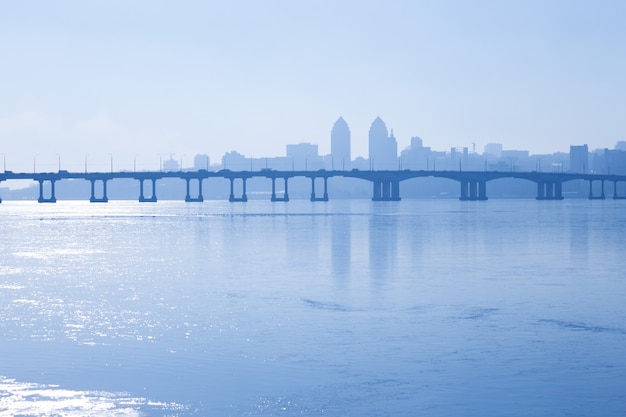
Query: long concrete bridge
{"x":386,"y":184}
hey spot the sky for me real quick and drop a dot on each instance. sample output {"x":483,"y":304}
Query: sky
{"x":136,"y":81}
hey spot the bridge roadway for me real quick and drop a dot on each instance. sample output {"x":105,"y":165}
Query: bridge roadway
{"x":386,"y":184}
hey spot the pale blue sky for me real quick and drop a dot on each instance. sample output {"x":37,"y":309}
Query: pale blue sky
{"x":153,"y":77}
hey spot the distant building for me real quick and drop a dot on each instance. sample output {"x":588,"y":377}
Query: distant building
{"x":517,"y":160}
{"x":383,"y":148}
{"x":201,"y":162}
{"x":616,"y":162}
{"x":609,"y":161}
{"x":340,"y":145}
{"x":170,"y":165}
{"x":579,"y":159}
{"x":416,"y":142}
{"x":458,"y":157}
{"x":416,"y":156}
{"x":620,"y":145}
{"x":493,"y":150}
{"x":304,"y":156}
{"x":235,"y":161}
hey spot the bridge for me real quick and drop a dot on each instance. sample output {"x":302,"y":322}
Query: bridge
{"x":385,"y":184}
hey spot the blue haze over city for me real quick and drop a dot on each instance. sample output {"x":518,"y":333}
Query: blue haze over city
{"x":312,"y":208}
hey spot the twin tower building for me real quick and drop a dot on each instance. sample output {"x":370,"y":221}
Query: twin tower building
{"x":383,"y":147}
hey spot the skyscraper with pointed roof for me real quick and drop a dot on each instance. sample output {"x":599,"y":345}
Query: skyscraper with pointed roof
{"x":383,"y":148}
{"x":340,"y":145}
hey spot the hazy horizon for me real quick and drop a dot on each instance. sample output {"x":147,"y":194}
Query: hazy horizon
{"x":117,"y":79}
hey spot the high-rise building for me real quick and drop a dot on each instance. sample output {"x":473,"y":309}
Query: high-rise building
{"x":579,"y":159}
{"x":383,"y":148}
{"x":340,"y":145}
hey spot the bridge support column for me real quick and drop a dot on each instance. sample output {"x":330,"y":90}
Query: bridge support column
{"x":232,"y":197}
{"x":42,"y":199}
{"x":549,"y":190}
{"x":313,"y":196}
{"x":541,"y":190}
{"x":395,"y":190}
{"x":377,"y":195}
{"x":482,"y":190}
{"x":386,"y":190}
{"x":594,"y":197}
{"x":142,"y":198}
{"x":285,"y":196}
{"x":93,"y":198}
{"x":464,"y":188}
{"x":188,"y":197}
{"x":616,"y":196}
{"x":558,"y":191}
{"x":473,"y":190}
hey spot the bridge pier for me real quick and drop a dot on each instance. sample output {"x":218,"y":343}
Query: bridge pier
{"x":42,"y":199}
{"x":232,"y":197}
{"x":549,"y":190}
{"x":472,"y":190}
{"x":93,"y":198}
{"x":153,"y":198}
{"x":188,"y":197}
{"x":313,"y":196}
{"x":615,"y":195}
{"x":386,"y":190}
{"x":595,"y":197}
{"x":285,"y":196}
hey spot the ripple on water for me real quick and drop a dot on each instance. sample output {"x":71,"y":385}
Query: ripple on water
{"x":570,"y":325}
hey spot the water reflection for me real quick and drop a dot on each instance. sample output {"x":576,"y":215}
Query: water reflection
{"x":341,"y":247}
{"x":383,"y":246}
{"x":578,"y":228}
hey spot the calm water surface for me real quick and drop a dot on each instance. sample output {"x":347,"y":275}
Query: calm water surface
{"x":345,"y":308}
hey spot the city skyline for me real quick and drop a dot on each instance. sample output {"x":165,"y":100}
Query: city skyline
{"x":114,"y":78}
{"x":381,"y":141}
{"x":340,"y":131}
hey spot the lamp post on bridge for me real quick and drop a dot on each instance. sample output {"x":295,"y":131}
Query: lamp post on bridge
{"x":59,"y":158}
{"x":86,"y":156}
{"x":35,"y":164}
{"x":4,"y":163}
{"x":111,"y":156}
